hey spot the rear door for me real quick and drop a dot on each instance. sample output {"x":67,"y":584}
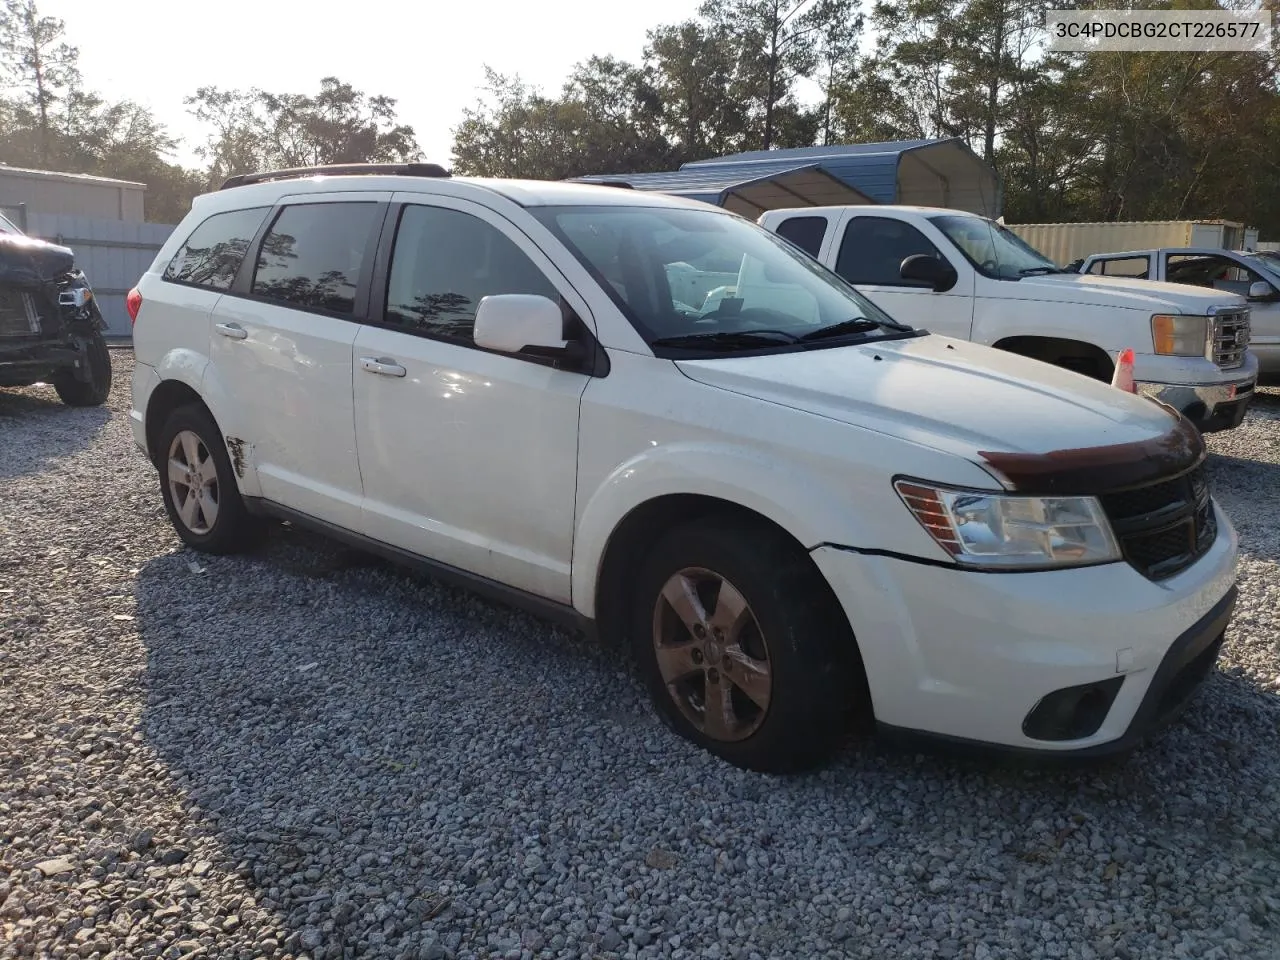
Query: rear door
{"x":870,"y":254}
{"x":192,"y":283}
{"x":282,"y":343}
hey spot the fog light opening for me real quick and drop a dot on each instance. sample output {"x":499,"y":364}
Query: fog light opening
{"x":1072,"y":713}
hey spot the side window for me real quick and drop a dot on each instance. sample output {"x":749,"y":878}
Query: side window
{"x":444,"y":262}
{"x":1220,"y":273}
{"x":1135,"y":268}
{"x":805,"y":232}
{"x":213,"y":253}
{"x":873,"y":250}
{"x":313,"y":254}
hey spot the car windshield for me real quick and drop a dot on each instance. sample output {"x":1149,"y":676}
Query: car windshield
{"x":6,"y":226}
{"x":712,"y":281}
{"x":1266,"y":264}
{"x":994,"y":249}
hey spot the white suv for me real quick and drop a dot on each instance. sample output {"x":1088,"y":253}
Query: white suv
{"x":800,"y":514}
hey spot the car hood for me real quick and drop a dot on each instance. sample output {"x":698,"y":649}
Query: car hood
{"x":1152,"y":295}
{"x":26,"y":261}
{"x":950,"y":395}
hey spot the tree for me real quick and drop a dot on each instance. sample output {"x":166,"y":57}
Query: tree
{"x":693,"y":68}
{"x":607,"y":118}
{"x":777,"y":44}
{"x":40,"y":64}
{"x":840,"y":31}
{"x":255,"y":129}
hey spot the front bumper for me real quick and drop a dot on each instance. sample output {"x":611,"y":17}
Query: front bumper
{"x":968,"y":656}
{"x":1210,"y":406}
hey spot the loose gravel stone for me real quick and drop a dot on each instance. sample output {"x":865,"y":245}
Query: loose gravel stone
{"x":353,"y":761}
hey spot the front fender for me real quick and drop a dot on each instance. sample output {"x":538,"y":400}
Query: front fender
{"x":1111,"y":329}
{"x":808,"y":507}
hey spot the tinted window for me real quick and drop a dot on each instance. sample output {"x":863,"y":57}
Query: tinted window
{"x":1134,"y":267}
{"x":873,"y":250}
{"x":444,"y":263}
{"x":805,"y":232}
{"x":214,"y":251}
{"x":1220,"y":273}
{"x":313,"y":254}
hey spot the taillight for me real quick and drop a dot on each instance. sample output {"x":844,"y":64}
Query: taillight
{"x":133,"y":303}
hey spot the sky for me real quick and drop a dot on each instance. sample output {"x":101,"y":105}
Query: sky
{"x":428,"y":56}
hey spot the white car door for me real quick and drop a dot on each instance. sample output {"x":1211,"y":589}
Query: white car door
{"x":870,"y":254}
{"x":282,"y":345}
{"x":469,"y":457}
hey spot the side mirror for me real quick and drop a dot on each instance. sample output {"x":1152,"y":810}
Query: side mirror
{"x":1261,"y":290}
{"x":920,"y":266}
{"x":521,"y":323}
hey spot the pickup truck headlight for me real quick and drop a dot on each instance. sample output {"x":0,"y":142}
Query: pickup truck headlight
{"x":1179,"y":336}
{"x":997,"y":531}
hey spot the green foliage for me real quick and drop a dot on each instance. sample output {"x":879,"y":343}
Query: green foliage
{"x":1074,"y":136}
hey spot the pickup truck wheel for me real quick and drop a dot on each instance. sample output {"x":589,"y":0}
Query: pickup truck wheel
{"x":199,"y":488}
{"x":743,"y":648}
{"x":93,"y":392}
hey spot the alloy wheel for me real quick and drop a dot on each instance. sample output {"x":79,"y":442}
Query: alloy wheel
{"x":193,"y":482}
{"x":712,"y":655}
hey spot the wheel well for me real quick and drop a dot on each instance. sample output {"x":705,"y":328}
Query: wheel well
{"x":640,"y":529}
{"x":166,"y":398}
{"x":1074,"y":355}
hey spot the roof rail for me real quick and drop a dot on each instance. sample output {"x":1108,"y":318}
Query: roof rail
{"x":622,"y":184}
{"x":338,"y":170}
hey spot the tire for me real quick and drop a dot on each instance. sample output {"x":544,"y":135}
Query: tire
{"x":796,"y":716}
{"x":218,"y":522}
{"x":94,"y":391}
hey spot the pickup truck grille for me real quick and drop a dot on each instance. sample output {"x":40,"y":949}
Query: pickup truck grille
{"x":1230,"y":338}
{"x":18,"y":314}
{"x":1163,"y":527}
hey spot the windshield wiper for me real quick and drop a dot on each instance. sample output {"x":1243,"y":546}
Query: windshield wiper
{"x":855,"y":325}
{"x":1040,"y":271}
{"x":746,"y":339}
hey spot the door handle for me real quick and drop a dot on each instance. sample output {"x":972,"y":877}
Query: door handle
{"x":232,"y":330}
{"x":384,"y":366}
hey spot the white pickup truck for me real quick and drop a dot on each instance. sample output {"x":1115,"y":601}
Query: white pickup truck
{"x":1248,"y":274}
{"x":964,"y":276}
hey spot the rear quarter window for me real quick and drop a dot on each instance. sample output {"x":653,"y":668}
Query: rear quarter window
{"x":212,"y":255}
{"x":805,"y":232}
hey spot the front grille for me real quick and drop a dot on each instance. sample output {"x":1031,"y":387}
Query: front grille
{"x":1166,"y":526}
{"x":18,"y":315}
{"x":1230,"y":338}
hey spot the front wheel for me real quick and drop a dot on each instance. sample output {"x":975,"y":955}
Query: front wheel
{"x":198,"y":486}
{"x":743,"y":647}
{"x":94,"y":391}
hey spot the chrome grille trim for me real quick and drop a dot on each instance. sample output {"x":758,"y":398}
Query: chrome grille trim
{"x":1229,"y":337}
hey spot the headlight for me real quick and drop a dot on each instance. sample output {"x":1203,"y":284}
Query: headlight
{"x":993,"y":530}
{"x":1178,"y":336}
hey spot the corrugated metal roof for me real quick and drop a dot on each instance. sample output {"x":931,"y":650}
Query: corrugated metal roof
{"x":713,"y":181}
{"x":926,"y":172}
{"x":810,"y":154}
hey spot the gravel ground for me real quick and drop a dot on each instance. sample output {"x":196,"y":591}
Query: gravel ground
{"x":301,"y":753}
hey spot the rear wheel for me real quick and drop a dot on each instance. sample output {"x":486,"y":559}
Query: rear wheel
{"x":94,"y":391}
{"x":199,"y":488}
{"x":743,"y":647}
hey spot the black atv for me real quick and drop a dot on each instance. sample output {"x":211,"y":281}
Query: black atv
{"x":50,"y":324}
